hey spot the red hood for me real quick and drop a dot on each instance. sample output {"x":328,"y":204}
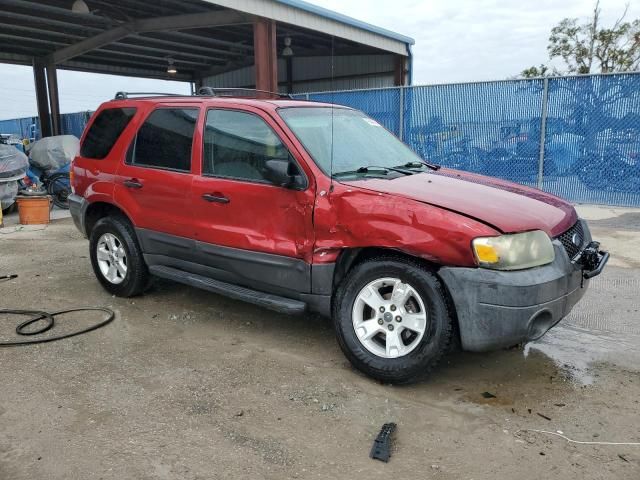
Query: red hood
{"x":507,"y":206}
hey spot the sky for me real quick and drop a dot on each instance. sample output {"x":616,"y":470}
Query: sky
{"x":456,"y":41}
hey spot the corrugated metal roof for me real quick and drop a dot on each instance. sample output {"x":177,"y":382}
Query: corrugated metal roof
{"x":325,"y":12}
{"x":134,"y":37}
{"x":318,"y":19}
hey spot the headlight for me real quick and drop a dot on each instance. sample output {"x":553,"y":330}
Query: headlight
{"x":514,"y":252}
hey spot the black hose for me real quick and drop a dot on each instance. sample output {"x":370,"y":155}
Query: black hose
{"x":37,"y":316}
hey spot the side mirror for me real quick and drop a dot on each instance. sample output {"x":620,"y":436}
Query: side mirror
{"x":284,"y":173}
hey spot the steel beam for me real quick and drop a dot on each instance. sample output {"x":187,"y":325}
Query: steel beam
{"x":176,"y":50}
{"x":15,"y":58}
{"x":195,"y":42}
{"x":40,"y":79}
{"x":27,"y":34}
{"x":159,"y":24}
{"x":54,"y":100}
{"x":400,"y":71}
{"x":92,"y":43}
{"x":49,"y":11}
{"x":265,"y":54}
{"x":191,"y":20}
{"x":162,"y":60}
{"x":213,"y":41}
{"x":129,"y":63}
{"x":119,"y":69}
{"x":46,"y":23}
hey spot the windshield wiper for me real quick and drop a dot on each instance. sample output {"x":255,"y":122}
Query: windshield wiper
{"x":375,"y":169}
{"x":420,"y":165}
{"x":368,"y":168}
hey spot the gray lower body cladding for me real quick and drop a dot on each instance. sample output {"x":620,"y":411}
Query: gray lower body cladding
{"x":78,"y":209}
{"x":287,"y":277}
{"x":272,"y":274}
{"x":498,"y":309}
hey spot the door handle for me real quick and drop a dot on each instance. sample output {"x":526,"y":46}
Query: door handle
{"x":132,"y":183}
{"x":209,"y":197}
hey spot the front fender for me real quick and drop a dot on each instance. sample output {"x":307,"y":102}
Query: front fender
{"x":351,"y":218}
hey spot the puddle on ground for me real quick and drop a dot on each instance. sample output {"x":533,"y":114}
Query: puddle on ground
{"x":575,"y":350}
{"x":602,"y":328}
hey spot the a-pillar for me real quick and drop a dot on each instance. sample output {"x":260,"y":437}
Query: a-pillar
{"x":265,"y":54}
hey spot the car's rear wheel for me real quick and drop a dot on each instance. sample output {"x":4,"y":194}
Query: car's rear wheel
{"x":392,"y":319}
{"x":117,"y":258}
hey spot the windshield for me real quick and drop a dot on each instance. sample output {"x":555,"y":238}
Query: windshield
{"x":358,"y":141}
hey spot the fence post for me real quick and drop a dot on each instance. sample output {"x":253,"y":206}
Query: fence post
{"x":543,"y":130}
{"x":401,"y":116}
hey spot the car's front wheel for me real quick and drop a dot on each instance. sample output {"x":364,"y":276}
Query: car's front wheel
{"x":117,"y":258}
{"x":392,"y":319}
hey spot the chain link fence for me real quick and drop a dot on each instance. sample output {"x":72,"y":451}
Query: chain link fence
{"x":577,"y":137}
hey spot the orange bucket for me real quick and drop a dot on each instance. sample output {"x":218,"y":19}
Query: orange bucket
{"x":34,"y":210}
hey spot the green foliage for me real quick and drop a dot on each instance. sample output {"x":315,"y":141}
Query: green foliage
{"x":591,"y":48}
{"x":535,"y":72}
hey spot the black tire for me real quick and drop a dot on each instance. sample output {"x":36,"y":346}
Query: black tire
{"x":137,"y":275}
{"x":437,"y":337}
{"x":58,"y":186}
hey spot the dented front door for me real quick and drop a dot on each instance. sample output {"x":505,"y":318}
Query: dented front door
{"x":255,"y":233}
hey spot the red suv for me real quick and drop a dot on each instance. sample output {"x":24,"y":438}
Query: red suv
{"x":301,"y":206}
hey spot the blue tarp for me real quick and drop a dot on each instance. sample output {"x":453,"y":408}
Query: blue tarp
{"x":29,"y":127}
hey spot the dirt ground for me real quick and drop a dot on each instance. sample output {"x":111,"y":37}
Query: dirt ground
{"x":185,"y":384}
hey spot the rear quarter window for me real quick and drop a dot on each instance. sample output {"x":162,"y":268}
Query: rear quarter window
{"x":165,"y":139}
{"x":104,"y":132}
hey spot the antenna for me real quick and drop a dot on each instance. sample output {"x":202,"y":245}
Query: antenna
{"x":332,"y":108}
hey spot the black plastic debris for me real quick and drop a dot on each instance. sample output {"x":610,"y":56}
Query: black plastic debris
{"x":488,"y":395}
{"x":381,"y":449}
{"x":543,"y":416}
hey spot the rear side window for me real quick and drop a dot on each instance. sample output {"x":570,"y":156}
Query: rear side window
{"x":165,"y":140}
{"x":238,"y":144}
{"x":104,"y":132}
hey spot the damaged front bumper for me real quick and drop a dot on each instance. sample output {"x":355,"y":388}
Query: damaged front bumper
{"x":498,"y":309}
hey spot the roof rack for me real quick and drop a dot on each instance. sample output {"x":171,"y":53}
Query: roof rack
{"x":125,"y":95}
{"x":236,"y":92}
{"x":206,"y":92}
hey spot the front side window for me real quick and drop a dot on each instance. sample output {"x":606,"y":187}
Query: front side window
{"x":165,"y":140}
{"x":104,"y":132}
{"x":238,"y":144}
{"x":341,"y":140}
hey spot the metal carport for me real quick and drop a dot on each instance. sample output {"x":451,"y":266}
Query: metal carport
{"x":219,"y":43}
